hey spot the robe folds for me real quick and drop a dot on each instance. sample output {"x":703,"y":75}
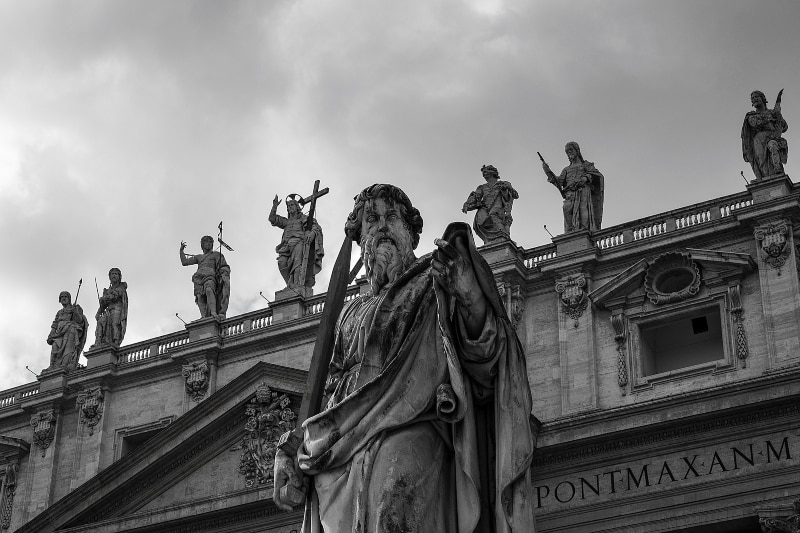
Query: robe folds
{"x":383,"y":456}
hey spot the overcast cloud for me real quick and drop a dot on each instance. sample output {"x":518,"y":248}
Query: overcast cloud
{"x":128,"y":126}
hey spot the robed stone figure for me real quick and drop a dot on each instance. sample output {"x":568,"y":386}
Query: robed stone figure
{"x":112,"y":312}
{"x":212,"y":280}
{"x":582,"y":187}
{"x":67,"y":335}
{"x":301,"y":239}
{"x":762,"y":143}
{"x":427,"y":426}
{"x":492,"y":202}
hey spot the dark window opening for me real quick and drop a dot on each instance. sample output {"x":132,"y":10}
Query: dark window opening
{"x":132,"y":442}
{"x":682,"y":342}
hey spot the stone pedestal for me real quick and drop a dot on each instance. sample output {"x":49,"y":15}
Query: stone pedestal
{"x":288,"y":305}
{"x":204,"y":328}
{"x":569,"y":243}
{"x":52,"y":379}
{"x":101,"y":356}
{"x":770,"y":188}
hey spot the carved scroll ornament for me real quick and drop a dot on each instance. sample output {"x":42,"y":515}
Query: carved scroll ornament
{"x":44,"y":429}
{"x":90,"y":407}
{"x":574,"y":299}
{"x":782,"y":525}
{"x":197,"y":377}
{"x":773,"y":244}
{"x":269,"y":415}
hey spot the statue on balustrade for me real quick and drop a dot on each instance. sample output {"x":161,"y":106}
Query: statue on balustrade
{"x":582,"y":187}
{"x":427,"y":426}
{"x":112,"y":314}
{"x":493,"y":201}
{"x":762,"y":144}
{"x":212,"y":281}
{"x":300,"y":250}
{"x":67,"y":334}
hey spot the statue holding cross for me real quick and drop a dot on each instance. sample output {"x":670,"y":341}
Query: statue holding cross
{"x":300,"y":250}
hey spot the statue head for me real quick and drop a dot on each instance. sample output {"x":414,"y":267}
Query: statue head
{"x":65,"y":298}
{"x":756,"y":98}
{"x":386,"y":226}
{"x":207,"y":243}
{"x":292,"y":206}
{"x":115,"y":275}
{"x":490,"y":172}
{"x":573,"y":151}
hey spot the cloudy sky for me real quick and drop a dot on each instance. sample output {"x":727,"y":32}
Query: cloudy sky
{"x":128,"y":126}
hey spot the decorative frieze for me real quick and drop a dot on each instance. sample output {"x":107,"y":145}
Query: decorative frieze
{"x":44,"y":429}
{"x":620,"y":334}
{"x":90,"y":407}
{"x":773,"y":244}
{"x":574,"y":299}
{"x":789,"y":524}
{"x":737,"y":312}
{"x":513,"y":301}
{"x":672,"y":277}
{"x":9,"y":488}
{"x":269,"y":415}
{"x":197,"y":377}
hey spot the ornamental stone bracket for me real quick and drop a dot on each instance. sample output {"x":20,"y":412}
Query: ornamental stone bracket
{"x":513,"y":300}
{"x":11,"y":452}
{"x":44,"y":429}
{"x":737,"y":315}
{"x":775,"y":519}
{"x":198,"y":378}
{"x":620,"y":325}
{"x":773,"y":245}
{"x":90,"y":407}
{"x":574,"y":299}
{"x":269,"y":415}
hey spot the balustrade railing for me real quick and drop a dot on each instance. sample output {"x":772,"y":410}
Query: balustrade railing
{"x":248,"y":322}
{"x":11,"y":397}
{"x":152,"y":347}
{"x":317,"y":304}
{"x":537,"y":255}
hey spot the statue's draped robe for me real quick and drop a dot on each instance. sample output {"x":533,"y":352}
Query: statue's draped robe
{"x":381,"y":456}
{"x":115,"y":312}
{"x":583,"y":204}
{"x":290,"y":249}
{"x":212,"y":272}
{"x":68,"y":333}
{"x":493,"y":203}
{"x":758,"y":129}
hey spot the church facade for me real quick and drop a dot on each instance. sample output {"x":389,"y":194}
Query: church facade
{"x":663,"y":356}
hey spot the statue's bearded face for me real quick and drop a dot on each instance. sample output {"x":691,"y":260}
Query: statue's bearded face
{"x":386,"y":244}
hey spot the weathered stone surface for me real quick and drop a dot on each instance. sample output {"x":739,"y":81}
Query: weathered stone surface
{"x":492,"y":202}
{"x":67,"y":334}
{"x":112,"y":313}
{"x":582,"y":186}
{"x":212,"y":281}
{"x":763,"y":145}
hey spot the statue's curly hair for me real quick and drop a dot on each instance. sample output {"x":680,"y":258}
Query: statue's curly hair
{"x":411,"y":216}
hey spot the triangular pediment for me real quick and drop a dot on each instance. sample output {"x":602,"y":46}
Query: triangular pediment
{"x":718,"y":267}
{"x":188,"y":473}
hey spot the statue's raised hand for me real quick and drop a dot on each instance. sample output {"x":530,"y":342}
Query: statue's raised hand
{"x":276,"y":201}
{"x":453,"y":270}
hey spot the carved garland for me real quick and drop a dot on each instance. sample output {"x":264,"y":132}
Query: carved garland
{"x":513,"y":301}
{"x":269,"y":415}
{"x":197,"y":377}
{"x":44,"y":429}
{"x":772,"y":240}
{"x":90,"y":407}
{"x":672,"y":277}
{"x":782,"y":525}
{"x":737,"y":312}
{"x":574,"y":299}
{"x":7,"y":497}
{"x":620,"y":332}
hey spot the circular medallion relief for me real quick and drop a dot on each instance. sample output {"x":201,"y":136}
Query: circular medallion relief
{"x":672,"y":277}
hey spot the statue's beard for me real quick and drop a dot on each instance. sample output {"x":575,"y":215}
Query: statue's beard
{"x":385,"y":256}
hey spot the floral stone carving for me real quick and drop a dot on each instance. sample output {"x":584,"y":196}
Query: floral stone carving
{"x":672,"y":277}
{"x":573,"y":296}
{"x":772,"y":241}
{"x":7,"y":497}
{"x":269,"y":415}
{"x":90,"y":407}
{"x":197,"y":379}
{"x":44,"y":429}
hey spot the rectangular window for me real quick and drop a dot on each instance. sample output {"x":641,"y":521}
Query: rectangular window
{"x":689,"y":340}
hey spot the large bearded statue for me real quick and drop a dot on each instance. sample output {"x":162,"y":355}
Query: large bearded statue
{"x":427,"y":425}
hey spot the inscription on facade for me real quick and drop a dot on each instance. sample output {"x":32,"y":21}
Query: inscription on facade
{"x":669,"y":471}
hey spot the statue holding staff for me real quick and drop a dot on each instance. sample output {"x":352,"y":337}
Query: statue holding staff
{"x":67,"y":333}
{"x":112,"y":313}
{"x":582,"y":187}
{"x":212,"y":280}
{"x":762,"y":143}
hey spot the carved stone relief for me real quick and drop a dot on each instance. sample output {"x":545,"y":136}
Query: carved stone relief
{"x":513,"y":301}
{"x":197,"y":377}
{"x":737,"y":312}
{"x":620,"y":334}
{"x":90,"y":407}
{"x":44,"y":429}
{"x":790,"y":524}
{"x":269,"y":415}
{"x":9,"y":488}
{"x":672,"y":277}
{"x":574,"y":299}
{"x":773,"y":244}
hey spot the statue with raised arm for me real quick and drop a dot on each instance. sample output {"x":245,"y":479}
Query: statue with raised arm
{"x":762,"y":144}
{"x":67,"y":334}
{"x":212,"y":281}
{"x":492,"y":201}
{"x":582,"y":187}
{"x":112,"y":313}
{"x":427,"y":423}
{"x":302,"y":236}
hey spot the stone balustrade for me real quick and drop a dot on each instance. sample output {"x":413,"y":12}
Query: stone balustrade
{"x":12,"y":397}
